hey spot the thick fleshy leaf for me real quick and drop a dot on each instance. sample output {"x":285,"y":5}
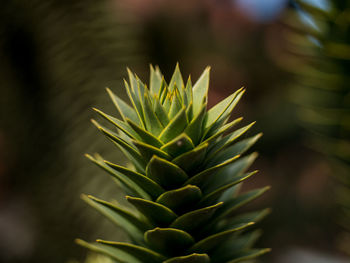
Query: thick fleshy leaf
{"x":229,"y":173}
{"x":178,"y":145}
{"x":236,"y":202}
{"x":188,"y":92}
{"x":123,"y":145}
{"x":193,"y":258}
{"x":194,"y":128}
{"x":176,"y":103}
{"x":155,"y":80}
{"x":169,"y":240}
{"x":196,"y":156}
{"x":181,"y":198}
{"x":161,"y":113}
{"x":227,"y":141}
{"x":124,"y":109}
{"x":116,"y":254}
{"x":222,"y":130}
{"x":209,"y":243}
{"x":130,"y":186}
{"x":165,"y":173}
{"x":175,"y":127}
{"x":219,"y":109}
{"x":213,"y":196}
{"x":237,"y":148}
{"x":201,"y":178}
{"x":151,"y":187}
{"x":144,"y":135}
{"x":132,"y":225}
{"x":144,"y":254}
{"x":147,"y":151}
{"x":199,"y":216}
{"x":246,"y":255}
{"x":159,"y":214}
{"x":153,"y":124}
{"x":200,"y":91}
{"x":119,"y":124}
{"x":176,"y":78}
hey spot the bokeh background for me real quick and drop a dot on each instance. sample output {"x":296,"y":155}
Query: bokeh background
{"x":57,"y":57}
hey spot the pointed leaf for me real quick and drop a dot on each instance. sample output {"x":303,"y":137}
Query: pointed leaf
{"x":175,"y":127}
{"x":165,"y":173}
{"x":124,"y":109}
{"x":156,"y":213}
{"x":194,"y":129}
{"x":196,"y":156}
{"x":200,"y":216}
{"x":219,"y":109}
{"x":116,"y":254}
{"x":200,"y":91}
{"x":147,"y":151}
{"x":169,"y":240}
{"x":132,"y":225}
{"x":144,"y":254}
{"x":180,"y":198}
{"x":152,"y":123}
{"x":155,"y":80}
{"x":193,"y":258}
{"x":209,"y":243}
{"x":222,"y":130}
{"x":126,"y":183}
{"x":119,"y":124}
{"x":151,"y":187}
{"x":246,"y":255}
{"x":176,"y":78}
{"x":178,"y":146}
{"x":144,"y":135}
{"x":161,"y":113}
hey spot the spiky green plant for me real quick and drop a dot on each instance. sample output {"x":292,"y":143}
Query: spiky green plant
{"x":318,"y":56}
{"x":186,"y":178}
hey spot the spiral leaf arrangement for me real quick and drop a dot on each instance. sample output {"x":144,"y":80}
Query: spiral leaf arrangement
{"x":186,"y":176}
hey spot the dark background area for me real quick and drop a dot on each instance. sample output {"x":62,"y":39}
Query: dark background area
{"x":57,"y":57}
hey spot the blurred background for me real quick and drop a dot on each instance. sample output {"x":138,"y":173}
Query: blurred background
{"x":57,"y":58}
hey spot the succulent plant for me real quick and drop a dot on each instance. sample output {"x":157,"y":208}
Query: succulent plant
{"x":185,"y":181}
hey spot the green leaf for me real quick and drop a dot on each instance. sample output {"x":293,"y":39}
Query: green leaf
{"x":236,"y":202}
{"x":227,"y":141}
{"x":175,"y":127}
{"x":237,"y":148}
{"x":118,"y":255}
{"x":165,"y":173}
{"x":202,"y":177}
{"x":200,"y":217}
{"x":144,"y":254}
{"x":119,"y":124}
{"x":144,"y":135}
{"x":200,"y":91}
{"x":159,"y":214}
{"x":147,"y":151}
{"x":219,"y":109}
{"x":169,"y":240}
{"x":124,"y":109}
{"x":193,"y":258}
{"x":151,"y":187}
{"x":161,"y":113}
{"x":213,"y":196}
{"x":126,"y":183}
{"x":181,"y":198}
{"x":124,"y":146}
{"x":229,"y":173}
{"x":135,"y":99}
{"x":132,"y":225}
{"x":155,"y":80}
{"x":196,"y":156}
{"x":178,"y":146}
{"x":209,"y":243}
{"x":152,"y":123}
{"x":176,"y":103}
{"x":194,"y":129}
{"x":176,"y":79}
{"x":222,"y":130}
{"x":188,"y":91}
